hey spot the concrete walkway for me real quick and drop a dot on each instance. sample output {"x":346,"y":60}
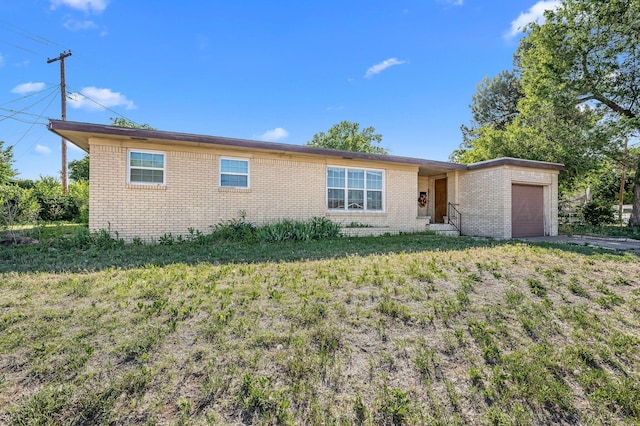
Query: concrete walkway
{"x":626,"y":244}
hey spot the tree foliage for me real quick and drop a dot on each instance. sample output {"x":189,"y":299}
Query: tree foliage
{"x":587,"y":55}
{"x":79,"y":169}
{"x":123,"y":122}
{"x":7,"y":172}
{"x":347,"y":136}
{"x":495,"y":102}
{"x":580,"y":92}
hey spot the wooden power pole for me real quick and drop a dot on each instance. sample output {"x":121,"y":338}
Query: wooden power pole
{"x":63,"y":96}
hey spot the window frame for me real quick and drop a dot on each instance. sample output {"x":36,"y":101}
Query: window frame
{"x":248,"y":174}
{"x":365,"y":189}
{"x":146,"y":151}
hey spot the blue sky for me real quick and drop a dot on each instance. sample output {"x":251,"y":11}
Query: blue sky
{"x":277,"y":71}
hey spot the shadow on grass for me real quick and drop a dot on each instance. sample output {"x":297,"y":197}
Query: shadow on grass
{"x":46,"y":257}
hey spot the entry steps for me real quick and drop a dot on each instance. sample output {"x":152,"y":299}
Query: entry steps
{"x":443,"y":229}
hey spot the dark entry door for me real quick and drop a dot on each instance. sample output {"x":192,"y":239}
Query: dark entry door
{"x":527,"y":211}
{"x":440,"y":200}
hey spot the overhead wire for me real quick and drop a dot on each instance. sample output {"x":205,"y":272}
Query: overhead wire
{"x":34,"y":123}
{"x":28,"y":34}
{"x":100,"y":105}
{"x":28,"y":95}
{"x":14,"y":113}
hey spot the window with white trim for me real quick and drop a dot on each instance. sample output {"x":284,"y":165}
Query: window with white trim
{"x":354,"y":189}
{"x":234,"y":173}
{"x":146,"y":167}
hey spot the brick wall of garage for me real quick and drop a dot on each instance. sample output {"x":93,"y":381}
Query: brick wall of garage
{"x":484,"y":197}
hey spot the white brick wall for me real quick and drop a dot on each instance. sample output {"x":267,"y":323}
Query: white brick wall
{"x":281,"y":186}
{"x":291,"y":186}
{"x":485,"y":199}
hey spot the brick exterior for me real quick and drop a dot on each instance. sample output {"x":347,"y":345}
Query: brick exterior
{"x":280,"y":186}
{"x":292,"y":186}
{"x":484,"y":199}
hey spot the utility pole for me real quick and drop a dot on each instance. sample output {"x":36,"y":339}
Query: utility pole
{"x":63,"y":96}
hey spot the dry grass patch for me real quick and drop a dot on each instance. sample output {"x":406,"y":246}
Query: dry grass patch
{"x":509,"y":334}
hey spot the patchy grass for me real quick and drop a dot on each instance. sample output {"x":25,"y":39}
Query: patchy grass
{"x":409,"y":329}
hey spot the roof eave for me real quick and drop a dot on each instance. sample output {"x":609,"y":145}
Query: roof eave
{"x":79,"y":133}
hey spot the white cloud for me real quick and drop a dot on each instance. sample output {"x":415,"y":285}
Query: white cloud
{"x":534,"y":14}
{"x":274,"y":134}
{"x":453,"y":2}
{"x":24,"y":88}
{"x":336,"y":108}
{"x":94,"y":98}
{"x":74,"y":25}
{"x":42,"y":150}
{"x":95,"y":6}
{"x":1,"y":61}
{"x":378,"y":68}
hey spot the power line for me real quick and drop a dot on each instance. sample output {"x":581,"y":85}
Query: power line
{"x":22,"y":111}
{"x":51,"y":87}
{"x":79,"y":93}
{"x":28,"y":35}
{"x":34,"y":122}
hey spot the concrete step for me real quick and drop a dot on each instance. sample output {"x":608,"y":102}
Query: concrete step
{"x":443,"y":229}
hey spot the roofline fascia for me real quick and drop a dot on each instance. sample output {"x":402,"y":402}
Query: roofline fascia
{"x":56,"y":126}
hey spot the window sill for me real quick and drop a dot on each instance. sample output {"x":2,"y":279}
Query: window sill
{"x":355,"y":212}
{"x":146,"y":186}
{"x":232,"y":189}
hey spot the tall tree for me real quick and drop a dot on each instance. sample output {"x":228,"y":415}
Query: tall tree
{"x":7,"y":172}
{"x":508,"y":123}
{"x":79,"y":169}
{"x":495,"y":102}
{"x":587,"y":54}
{"x":494,"y":106}
{"x":347,"y":136}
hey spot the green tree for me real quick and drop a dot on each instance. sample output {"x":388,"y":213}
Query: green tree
{"x":494,"y":106}
{"x":495,"y":102}
{"x":347,"y":136}
{"x":123,"y":122}
{"x":79,"y":169}
{"x":7,"y":172}
{"x":587,"y":55}
{"x":508,"y":123}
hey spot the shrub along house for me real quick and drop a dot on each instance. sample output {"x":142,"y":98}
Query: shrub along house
{"x":147,"y":183}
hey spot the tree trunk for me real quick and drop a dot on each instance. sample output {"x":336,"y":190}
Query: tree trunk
{"x":634,"y":220}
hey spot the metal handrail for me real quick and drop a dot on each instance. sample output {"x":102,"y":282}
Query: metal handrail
{"x":454,"y":219}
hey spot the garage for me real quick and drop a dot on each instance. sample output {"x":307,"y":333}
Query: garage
{"x":527,"y":211}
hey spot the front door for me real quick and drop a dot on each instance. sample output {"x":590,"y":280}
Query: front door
{"x":440,"y":200}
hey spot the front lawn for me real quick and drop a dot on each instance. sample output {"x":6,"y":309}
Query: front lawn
{"x":408,"y":329}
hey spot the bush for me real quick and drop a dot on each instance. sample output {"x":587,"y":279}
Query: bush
{"x":597,"y":214}
{"x":284,"y":230}
{"x":316,"y":228}
{"x":56,"y":206}
{"x":17,"y":206}
{"x":79,"y":193}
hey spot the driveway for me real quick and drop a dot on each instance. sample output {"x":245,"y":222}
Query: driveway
{"x":626,"y":244}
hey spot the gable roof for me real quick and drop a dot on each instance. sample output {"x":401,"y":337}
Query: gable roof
{"x":80,"y":133}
